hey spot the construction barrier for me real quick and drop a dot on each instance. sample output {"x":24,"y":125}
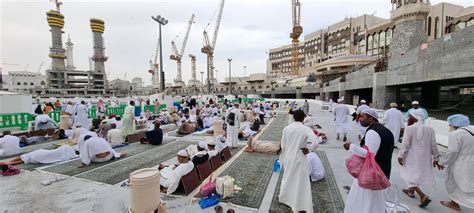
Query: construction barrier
{"x":115,"y":110}
{"x":55,"y":115}
{"x":12,"y":120}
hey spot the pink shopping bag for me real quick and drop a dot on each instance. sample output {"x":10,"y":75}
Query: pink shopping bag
{"x":354,"y":163}
{"x":371,"y":175}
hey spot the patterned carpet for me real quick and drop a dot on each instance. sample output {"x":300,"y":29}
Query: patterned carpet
{"x":326,"y":196}
{"x":253,"y":171}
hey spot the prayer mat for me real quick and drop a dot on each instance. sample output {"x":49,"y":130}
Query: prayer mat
{"x":115,"y":173}
{"x":326,"y":196}
{"x":71,"y":168}
{"x":65,"y":142}
{"x":174,"y":133}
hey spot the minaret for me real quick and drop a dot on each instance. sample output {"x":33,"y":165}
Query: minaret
{"x":98,"y":27}
{"x":409,"y":18}
{"x":56,"y":52}
{"x":69,"y":54}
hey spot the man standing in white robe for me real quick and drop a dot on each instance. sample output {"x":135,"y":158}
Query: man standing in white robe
{"x":362,"y":107}
{"x":81,"y":116}
{"x":341,"y":112}
{"x":379,"y":141}
{"x":394,"y":120}
{"x":233,"y":131}
{"x":295,"y":188}
{"x":459,"y":161}
{"x":418,"y":151}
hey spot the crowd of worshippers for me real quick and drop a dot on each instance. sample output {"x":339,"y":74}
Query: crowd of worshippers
{"x":418,"y":154}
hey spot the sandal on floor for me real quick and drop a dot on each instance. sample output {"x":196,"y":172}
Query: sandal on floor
{"x":449,"y":205}
{"x":424,"y":202}
{"x":407,"y":192}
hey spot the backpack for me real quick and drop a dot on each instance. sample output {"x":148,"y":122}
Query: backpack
{"x":231,"y":118}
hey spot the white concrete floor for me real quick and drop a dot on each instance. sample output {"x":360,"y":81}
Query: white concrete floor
{"x":24,"y":192}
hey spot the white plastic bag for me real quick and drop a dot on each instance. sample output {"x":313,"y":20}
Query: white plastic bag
{"x":392,"y":205}
{"x":225,"y":186}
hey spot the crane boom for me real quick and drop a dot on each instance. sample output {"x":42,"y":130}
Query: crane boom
{"x":178,"y":55}
{"x":185,"y":40}
{"x":295,"y":35}
{"x":218,"y":22}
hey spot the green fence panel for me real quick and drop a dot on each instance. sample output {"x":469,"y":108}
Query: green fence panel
{"x":55,"y":115}
{"x":92,"y":113}
{"x":149,"y":107}
{"x":163,"y":106}
{"x":12,"y":120}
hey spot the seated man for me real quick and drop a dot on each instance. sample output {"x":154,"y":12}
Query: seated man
{"x":77,"y":132}
{"x":187,"y":128}
{"x":114,"y":135}
{"x":171,"y":175}
{"x":9,"y":144}
{"x":247,"y":131}
{"x":25,"y":141}
{"x":44,"y":122}
{"x":211,"y":147}
{"x":201,"y":156}
{"x":65,"y":121}
{"x":104,"y":128}
{"x":268,"y":147}
{"x":316,"y":168}
{"x":221,"y":142}
{"x":62,"y":153}
{"x":155,"y":136}
{"x":96,"y":149}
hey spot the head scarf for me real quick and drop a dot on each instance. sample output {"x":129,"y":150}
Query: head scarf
{"x":419,"y":115}
{"x":458,"y":120}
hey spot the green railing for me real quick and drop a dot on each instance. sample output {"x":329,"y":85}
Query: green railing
{"x":115,"y":110}
{"x":15,"y":120}
{"x":55,"y":115}
{"x":152,"y":108}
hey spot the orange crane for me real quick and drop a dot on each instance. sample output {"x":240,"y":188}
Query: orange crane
{"x":178,"y":55}
{"x":295,"y":35}
{"x":209,"y":47}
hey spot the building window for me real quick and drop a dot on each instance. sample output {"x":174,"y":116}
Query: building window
{"x":32,"y":84}
{"x":429,"y":26}
{"x":25,"y":83}
{"x":436,"y":28}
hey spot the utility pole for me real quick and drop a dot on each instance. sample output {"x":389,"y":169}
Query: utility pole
{"x":230,"y":75}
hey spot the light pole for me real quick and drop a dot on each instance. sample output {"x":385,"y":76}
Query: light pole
{"x":245,"y":71}
{"x":161,"y":21}
{"x":202,"y":80}
{"x":230,"y":76}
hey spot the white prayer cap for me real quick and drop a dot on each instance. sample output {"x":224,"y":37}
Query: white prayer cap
{"x":339,"y":100}
{"x":363,"y":101}
{"x":415,"y":103}
{"x":371,"y":112}
{"x":393,"y":104}
{"x":182,"y":153}
{"x":211,"y":142}
{"x":202,"y":144}
{"x":78,"y":125}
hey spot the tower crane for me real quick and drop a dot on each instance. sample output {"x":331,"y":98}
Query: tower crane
{"x":154,"y":67}
{"x":209,"y":47}
{"x":295,"y":35}
{"x":176,"y":56}
{"x":39,"y":68}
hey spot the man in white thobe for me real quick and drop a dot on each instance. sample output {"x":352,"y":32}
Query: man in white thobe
{"x":63,"y":153}
{"x":316,"y":168}
{"x":416,"y":105}
{"x":418,"y":152}
{"x":171,"y":175}
{"x":362,"y":107}
{"x":9,"y":144}
{"x":95,"y":149}
{"x":233,"y":130}
{"x":341,"y":112}
{"x":394,"y":120}
{"x":81,"y":116}
{"x":295,"y":188}
{"x":43,"y":122}
{"x":379,"y":141}
{"x":114,"y":136}
{"x":331,"y":105}
{"x":459,"y":161}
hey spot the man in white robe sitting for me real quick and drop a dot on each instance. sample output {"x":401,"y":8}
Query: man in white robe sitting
{"x":97,"y":150}
{"x":211,"y":148}
{"x":44,"y":122}
{"x":220,"y":142}
{"x":316,"y":168}
{"x":9,"y":144}
{"x":171,"y":175}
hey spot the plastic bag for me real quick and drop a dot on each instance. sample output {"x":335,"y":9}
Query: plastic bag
{"x":225,"y":186}
{"x":209,"y":201}
{"x":208,"y":188}
{"x":354,"y":164}
{"x":276,"y":166}
{"x":371,"y":175}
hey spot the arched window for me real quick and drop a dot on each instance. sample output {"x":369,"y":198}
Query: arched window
{"x":245,"y":88}
{"x":429,"y":26}
{"x":239,"y":88}
{"x":43,"y":83}
{"x":436,"y":27}
{"x":18,"y":83}
{"x":260,"y":87}
{"x":25,"y":83}
{"x":267,"y":87}
{"x":32,"y":84}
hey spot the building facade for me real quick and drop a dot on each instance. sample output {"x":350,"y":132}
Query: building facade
{"x":23,"y":81}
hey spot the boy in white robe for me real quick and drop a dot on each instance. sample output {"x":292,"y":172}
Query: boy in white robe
{"x":316,"y":168}
{"x":418,"y":152}
{"x":295,"y":188}
{"x":171,"y":175}
{"x":9,"y":144}
{"x":459,"y":162}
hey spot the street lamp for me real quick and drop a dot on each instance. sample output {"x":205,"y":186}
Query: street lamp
{"x":245,"y":71}
{"x":202,"y":80}
{"x":161,"y":21}
{"x":230,"y":76}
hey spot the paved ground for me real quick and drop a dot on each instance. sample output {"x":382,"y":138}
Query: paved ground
{"x":25,"y":193}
